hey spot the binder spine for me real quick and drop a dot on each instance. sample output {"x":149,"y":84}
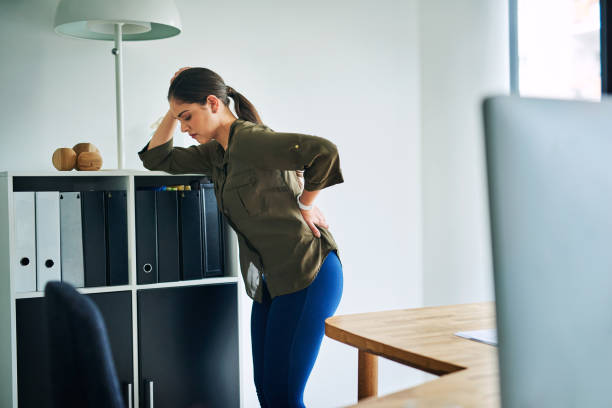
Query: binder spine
{"x":25,"y":241}
{"x":146,"y":237}
{"x":212,"y":231}
{"x":48,"y":261}
{"x":116,"y":237}
{"x":71,"y":239}
{"x":167,"y":236}
{"x":94,"y":237}
{"x":190,"y":234}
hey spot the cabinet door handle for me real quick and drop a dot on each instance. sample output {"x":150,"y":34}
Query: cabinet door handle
{"x":130,"y":398}
{"x":149,"y":392}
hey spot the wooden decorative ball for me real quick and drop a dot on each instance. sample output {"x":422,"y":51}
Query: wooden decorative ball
{"x":64,"y":159}
{"x":89,"y":161}
{"x":84,"y":147}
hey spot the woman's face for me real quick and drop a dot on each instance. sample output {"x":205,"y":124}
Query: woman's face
{"x":196,"y":119}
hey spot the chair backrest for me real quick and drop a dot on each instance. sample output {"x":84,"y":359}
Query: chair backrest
{"x":550,"y":193}
{"x":81,"y":364}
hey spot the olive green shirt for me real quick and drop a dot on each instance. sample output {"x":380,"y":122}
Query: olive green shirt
{"x":256,"y":188}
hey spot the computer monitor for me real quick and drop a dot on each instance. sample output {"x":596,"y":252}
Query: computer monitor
{"x":549,"y":166}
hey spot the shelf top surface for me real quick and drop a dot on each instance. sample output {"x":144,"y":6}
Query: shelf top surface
{"x":138,"y":287}
{"x":74,"y":173}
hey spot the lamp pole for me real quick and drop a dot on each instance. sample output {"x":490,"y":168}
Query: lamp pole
{"x":117,"y":52}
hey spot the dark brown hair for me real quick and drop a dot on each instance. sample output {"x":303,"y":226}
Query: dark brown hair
{"x":193,"y":85}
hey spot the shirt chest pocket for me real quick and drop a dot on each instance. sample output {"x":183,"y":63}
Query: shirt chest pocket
{"x":242,"y":195}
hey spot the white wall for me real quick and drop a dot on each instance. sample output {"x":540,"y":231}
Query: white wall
{"x":463,"y":57}
{"x":344,"y":70}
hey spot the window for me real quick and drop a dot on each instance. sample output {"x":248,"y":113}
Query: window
{"x":557,"y":48}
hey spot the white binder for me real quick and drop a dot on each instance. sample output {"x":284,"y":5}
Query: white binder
{"x":24,"y":261}
{"x":48,"y":265}
{"x":71,"y":239}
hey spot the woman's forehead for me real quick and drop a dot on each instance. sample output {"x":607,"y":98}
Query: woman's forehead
{"x":174,"y":104}
{"x":177,"y":107}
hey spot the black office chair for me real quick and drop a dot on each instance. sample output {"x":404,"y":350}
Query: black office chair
{"x":81,"y":364}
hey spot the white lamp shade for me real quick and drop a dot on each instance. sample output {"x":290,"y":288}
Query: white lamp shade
{"x":96,"y":19}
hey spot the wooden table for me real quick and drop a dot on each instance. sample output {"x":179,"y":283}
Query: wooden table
{"x":423,"y":338}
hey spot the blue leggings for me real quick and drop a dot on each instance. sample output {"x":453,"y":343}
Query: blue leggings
{"x":286,"y":334}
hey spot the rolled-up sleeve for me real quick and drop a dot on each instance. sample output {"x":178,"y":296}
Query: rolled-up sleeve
{"x":176,"y":160}
{"x":264,"y":148}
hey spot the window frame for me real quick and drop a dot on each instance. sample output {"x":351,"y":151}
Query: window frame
{"x":605,"y":42}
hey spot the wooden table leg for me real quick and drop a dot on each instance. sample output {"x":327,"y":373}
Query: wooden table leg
{"x":367,"y":380}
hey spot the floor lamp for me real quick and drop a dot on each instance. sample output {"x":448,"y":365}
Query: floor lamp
{"x":118,"y":20}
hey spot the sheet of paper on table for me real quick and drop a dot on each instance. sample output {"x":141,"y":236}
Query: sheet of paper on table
{"x":487,"y":336}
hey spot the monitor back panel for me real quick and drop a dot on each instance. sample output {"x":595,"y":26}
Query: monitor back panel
{"x":549,"y":168}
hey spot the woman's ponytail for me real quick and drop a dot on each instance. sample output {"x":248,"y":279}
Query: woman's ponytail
{"x":243,"y":107}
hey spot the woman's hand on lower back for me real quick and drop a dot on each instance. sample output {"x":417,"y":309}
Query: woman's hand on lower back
{"x":313,"y":218}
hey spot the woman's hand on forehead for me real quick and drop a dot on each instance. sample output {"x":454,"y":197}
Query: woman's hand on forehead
{"x":178,"y":72}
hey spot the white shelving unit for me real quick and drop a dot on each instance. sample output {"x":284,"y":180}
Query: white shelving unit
{"x":126,"y":180}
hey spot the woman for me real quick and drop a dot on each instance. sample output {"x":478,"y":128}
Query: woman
{"x":288,"y":258}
